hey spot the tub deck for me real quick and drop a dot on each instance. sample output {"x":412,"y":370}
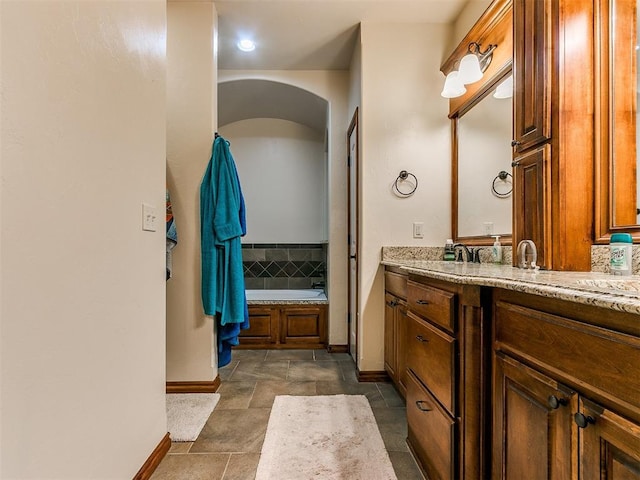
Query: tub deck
{"x":313,"y":296}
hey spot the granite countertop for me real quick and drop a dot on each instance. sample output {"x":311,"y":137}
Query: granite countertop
{"x":589,"y":288}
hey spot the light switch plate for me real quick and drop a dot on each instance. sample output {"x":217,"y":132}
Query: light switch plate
{"x":149,"y":217}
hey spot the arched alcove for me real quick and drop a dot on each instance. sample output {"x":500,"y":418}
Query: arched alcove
{"x":256,"y":98}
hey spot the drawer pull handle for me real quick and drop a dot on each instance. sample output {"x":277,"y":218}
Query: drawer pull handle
{"x":420,"y":403}
{"x":392,"y":303}
{"x":420,"y":338}
{"x":422,"y":302}
{"x":582,"y":420}
{"x":555,"y":402}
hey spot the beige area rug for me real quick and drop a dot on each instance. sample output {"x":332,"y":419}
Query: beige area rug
{"x":187,"y":413}
{"x":323,"y":437}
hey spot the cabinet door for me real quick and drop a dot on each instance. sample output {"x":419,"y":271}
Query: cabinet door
{"x":532,"y":424}
{"x":531,"y":72}
{"x":609,"y":444}
{"x":390,"y":322}
{"x":401,"y":346}
{"x":303,"y":325}
{"x":263,"y":326}
{"x":532,"y":203}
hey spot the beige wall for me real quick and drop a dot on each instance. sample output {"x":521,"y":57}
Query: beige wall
{"x":333,"y":87}
{"x":281,"y":166}
{"x":403,"y":127}
{"x":463,"y":23}
{"x":82,"y":287}
{"x":191,"y":121}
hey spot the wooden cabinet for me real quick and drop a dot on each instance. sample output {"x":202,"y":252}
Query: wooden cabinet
{"x":566,"y":398}
{"x":395,"y":321}
{"x":531,"y":195}
{"x":285,"y":326}
{"x":447,"y":376}
{"x":531,"y":73}
{"x":554,"y":105}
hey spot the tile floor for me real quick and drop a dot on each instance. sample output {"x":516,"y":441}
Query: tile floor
{"x":228,"y":448}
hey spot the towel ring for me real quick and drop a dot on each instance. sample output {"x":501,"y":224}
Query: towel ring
{"x":502,"y":176}
{"x":402,"y":176}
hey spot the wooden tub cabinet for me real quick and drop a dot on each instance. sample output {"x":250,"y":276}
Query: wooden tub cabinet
{"x":276,"y":326}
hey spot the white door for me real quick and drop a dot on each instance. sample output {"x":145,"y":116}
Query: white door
{"x":352,"y":167}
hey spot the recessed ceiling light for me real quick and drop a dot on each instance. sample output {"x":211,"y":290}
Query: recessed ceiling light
{"x":246,"y":45}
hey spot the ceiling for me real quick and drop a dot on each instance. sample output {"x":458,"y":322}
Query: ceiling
{"x":301,"y":35}
{"x":311,"y":34}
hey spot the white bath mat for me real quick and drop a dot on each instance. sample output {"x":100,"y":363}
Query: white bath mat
{"x":323,"y":437}
{"x":187,"y":413}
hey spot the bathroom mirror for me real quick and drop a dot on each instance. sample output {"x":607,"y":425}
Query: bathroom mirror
{"x":618,"y":190}
{"x":482,"y":182}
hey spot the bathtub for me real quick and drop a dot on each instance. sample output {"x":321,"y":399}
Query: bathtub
{"x":309,"y":295}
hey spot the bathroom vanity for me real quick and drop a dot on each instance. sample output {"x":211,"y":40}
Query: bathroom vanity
{"x":514,"y":373}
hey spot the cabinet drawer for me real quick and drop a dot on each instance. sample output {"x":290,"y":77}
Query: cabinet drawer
{"x":432,"y":303}
{"x":431,"y":432}
{"x":396,"y":284}
{"x":431,"y":356}
{"x":606,"y":361}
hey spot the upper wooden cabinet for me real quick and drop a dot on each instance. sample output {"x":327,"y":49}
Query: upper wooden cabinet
{"x":531,"y":195}
{"x":532,"y":73}
{"x":554,"y":105}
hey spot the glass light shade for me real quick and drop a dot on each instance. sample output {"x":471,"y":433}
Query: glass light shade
{"x":505,"y":89}
{"x":453,"y":87}
{"x":469,"y":71}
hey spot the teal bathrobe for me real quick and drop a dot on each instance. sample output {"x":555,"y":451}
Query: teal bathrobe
{"x":222,"y":223}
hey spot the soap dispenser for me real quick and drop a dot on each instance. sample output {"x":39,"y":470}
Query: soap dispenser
{"x":496,"y":250}
{"x":449,"y":253}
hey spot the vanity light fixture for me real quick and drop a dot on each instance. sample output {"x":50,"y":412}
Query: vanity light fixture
{"x":475,"y":63}
{"x":246,"y":45}
{"x":505,"y":89}
{"x":472,"y":66}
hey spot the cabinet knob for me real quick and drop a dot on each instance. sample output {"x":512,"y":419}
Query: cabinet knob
{"x":515,"y":164}
{"x":422,"y":302}
{"x":515,"y":143}
{"x":420,"y":338}
{"x":420,"y":404}
{"x":555,"y":402}
{"x":583,"y":420}
{"x":392,"y":303}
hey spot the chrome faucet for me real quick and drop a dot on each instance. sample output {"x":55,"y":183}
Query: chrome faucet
{"x":468,"y":253}
{"x":523,"y":246}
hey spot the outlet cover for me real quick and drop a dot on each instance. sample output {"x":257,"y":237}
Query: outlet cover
{"x":418,"y":230}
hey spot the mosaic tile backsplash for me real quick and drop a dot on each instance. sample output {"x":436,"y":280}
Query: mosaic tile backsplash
{"x":284,"y":265}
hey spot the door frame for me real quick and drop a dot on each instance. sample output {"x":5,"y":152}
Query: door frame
{"x":353,"y":228}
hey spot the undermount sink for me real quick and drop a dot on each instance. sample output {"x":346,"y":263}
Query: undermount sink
{"x":626,"y":284}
